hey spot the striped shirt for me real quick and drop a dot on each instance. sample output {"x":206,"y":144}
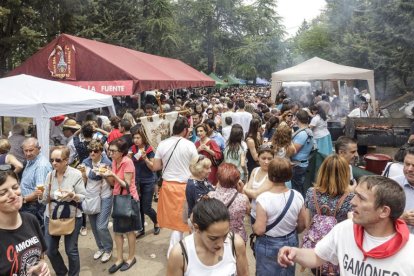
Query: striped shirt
{"x":34,"y":173}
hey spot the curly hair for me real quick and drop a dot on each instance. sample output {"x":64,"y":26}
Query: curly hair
{"x":282,"y":137}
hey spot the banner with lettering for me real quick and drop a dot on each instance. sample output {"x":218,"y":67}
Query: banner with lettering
{"x":61,"y":62}
{"x":114,"y":88}
{"x":158,"y":128}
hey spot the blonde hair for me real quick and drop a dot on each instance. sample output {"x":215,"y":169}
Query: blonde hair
{"x":198,"y":164}
{"x":4,"y":146}
{"x":64,"y":150}
{"x":333,"y":176}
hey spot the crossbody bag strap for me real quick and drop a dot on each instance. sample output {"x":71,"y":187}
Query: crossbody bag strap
{"x":340,"y":202}
{"x":287,"y":206}
{"x":232,"y":200}
{"x":168,"y":161}
{"x":184,"y":253}
{"x":387,"y":169}
{"x":50,"y":188}
{"x":315,"y":202}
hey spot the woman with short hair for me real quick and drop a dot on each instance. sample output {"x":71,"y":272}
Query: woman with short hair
{"x":197,"y":184}
{"x":278,"y":204}
{"x":212,"y":249}
{"x":64,"y":191}
{"x":18,"y":228}
{"x":122,"y":177}
{"x":227,"y":191}
{"x":97,"y":186}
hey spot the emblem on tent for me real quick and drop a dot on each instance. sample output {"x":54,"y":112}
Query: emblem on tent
{"x":61,"y":62}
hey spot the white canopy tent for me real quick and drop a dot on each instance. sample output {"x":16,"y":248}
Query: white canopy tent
{"x":320,"y":69}
{"x":28,"y":96}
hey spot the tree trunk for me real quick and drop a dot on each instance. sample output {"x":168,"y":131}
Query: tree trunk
{"x":211,"y":61}
{"x":145,"y":15}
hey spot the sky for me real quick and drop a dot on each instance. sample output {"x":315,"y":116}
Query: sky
{"x":294,"y":12}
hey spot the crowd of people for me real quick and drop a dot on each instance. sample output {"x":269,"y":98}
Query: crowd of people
{"x":231,"y":155}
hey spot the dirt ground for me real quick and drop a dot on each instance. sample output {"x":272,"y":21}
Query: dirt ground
{"x":158,"y":246}
{"x":145,"y":247}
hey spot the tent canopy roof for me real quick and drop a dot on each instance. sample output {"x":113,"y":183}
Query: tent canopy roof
{"x":28,"y":96}
{"x":320,"y":69}
{"x":97,"y":61}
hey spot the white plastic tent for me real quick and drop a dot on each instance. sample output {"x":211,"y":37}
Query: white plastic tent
{"x":28,"y":96}
{"x":320,"y":69}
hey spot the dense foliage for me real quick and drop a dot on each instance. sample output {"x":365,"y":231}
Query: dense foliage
{"x":240,"y":37}
{"x":373,"y":34}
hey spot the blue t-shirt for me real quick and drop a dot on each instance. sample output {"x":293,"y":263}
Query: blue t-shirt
{"x":142,"y":172}
{"x":302,"y":138}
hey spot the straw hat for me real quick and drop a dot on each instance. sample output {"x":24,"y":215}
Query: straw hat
{"x":71,"y":124}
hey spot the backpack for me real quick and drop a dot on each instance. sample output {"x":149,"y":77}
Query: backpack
{"x":320,"y":226}
{"x":310,"y":139}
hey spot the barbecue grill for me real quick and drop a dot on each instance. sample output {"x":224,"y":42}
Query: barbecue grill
{"x":385,"y":132}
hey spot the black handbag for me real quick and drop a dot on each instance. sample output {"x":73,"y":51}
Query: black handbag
{"x":125,"y":206}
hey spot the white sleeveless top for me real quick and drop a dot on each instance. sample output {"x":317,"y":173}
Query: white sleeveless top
{"x":226,"y":267}
{"x":255,"y":185}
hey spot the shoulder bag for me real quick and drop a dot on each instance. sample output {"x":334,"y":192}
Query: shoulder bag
{"x":61,"y":226}
{"x":125,"y":206}
{"x":273,"y":224}
{"x":92,"y":205}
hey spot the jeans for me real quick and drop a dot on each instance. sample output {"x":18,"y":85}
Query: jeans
{"x":146,"y":191}
{"x":71,"y":249}
{"x":37,"y":209}
{"x":266,"y":249}
{"x":99,"y":224}
{"x":298,"y":179}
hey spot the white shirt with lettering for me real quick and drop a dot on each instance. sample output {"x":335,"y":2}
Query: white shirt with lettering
{"x":339,"y":247}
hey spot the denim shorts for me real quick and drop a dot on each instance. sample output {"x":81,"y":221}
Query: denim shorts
{"x":267,"y":248}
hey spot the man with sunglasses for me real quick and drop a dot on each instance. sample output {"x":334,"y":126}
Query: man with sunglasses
{"x":34,"y":176}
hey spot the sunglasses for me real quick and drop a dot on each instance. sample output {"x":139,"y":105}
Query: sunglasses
{"x":5,"y":168}
{"x":266,"y":146}
{"x":57,"y":160}
{"x":94,"y":151}
{"x":201,"y":158}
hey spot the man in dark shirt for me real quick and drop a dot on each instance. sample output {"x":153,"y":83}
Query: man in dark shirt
{"x":125,"y":129}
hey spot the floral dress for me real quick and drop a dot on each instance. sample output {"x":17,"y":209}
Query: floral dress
{"x":331,"y":202}
{"x":237,"y":209}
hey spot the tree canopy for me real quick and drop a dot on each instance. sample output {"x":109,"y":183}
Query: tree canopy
{"x":243,"y":38}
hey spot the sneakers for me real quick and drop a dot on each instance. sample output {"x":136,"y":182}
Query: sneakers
{"x":98,"y":254}
{"x":84,"y":231}
{"x":106,"y":257}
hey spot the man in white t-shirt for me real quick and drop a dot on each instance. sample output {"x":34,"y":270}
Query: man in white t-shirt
{"x":361,"y":111}
{"x":173,"y":157}
{"x":242,"y":117}
{"x":374,"y":242}
{"x":228,"y":113}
